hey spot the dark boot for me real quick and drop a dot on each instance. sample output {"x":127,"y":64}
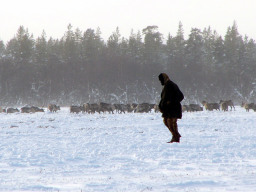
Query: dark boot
{"x":175,"y":138}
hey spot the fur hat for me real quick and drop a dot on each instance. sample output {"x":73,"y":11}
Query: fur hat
{"x":163,"y":77}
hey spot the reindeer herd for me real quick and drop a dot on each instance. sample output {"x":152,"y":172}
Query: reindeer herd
{"x":111,"y":108}
{"x":222,"y":105}
{"x":92,"y":108}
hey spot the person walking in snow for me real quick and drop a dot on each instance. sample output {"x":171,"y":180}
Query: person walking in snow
{"x":170,"y":106}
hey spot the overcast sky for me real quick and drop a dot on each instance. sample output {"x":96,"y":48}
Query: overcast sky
{"x":53,"y":16}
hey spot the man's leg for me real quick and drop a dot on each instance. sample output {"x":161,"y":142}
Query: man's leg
{"x":175,"y":127}
{"x":165,"y":121}
{"x":168,"y":123}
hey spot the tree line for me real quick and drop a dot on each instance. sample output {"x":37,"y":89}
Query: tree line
{"x":83,"y":67}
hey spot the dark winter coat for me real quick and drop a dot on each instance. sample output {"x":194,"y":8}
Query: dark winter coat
{"x":171,"y":97}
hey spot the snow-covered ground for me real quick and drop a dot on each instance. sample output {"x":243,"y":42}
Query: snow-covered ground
{"x":127,"y":152}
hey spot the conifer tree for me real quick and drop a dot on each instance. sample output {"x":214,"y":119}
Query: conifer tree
{"x":194,"y":59}
{"x":2,"y":49}
{"x":41,"y":49}
{"x":152,"y":50}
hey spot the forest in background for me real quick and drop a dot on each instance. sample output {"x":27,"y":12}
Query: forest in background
{"x":82,"y":67}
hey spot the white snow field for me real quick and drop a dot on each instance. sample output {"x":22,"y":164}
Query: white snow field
{"x":127,"y":152}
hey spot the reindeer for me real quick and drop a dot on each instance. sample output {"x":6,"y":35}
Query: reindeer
{"x":106,"y":107}
{"x":87,"y":108}
{"x":229,"y":103}
{"x":211,"y":106}
{"x":25,"y":109}
{"x":249,"y":106}
{"x":144,"y":108}
{"x":195,"y":107}
{"x":91,"y":108}
{"x":12,"y":110}
{"x":120,"y":108}
{"x":192,"y":108}
{"x":76,"y":109}
{"x":53,"y":108}
{"x":131,"y":107}
{"x":36,"y":109}
{"x":224,"y":106}
{"x":185,"y":108}
{"x":156,"y":108}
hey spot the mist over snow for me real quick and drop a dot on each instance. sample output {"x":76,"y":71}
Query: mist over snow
{"x":127,"y":152}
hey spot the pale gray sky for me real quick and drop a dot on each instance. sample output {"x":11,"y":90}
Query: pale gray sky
{"x":53,"y":16}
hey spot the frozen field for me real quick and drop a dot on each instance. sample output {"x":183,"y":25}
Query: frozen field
{"x":127,"y":152}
